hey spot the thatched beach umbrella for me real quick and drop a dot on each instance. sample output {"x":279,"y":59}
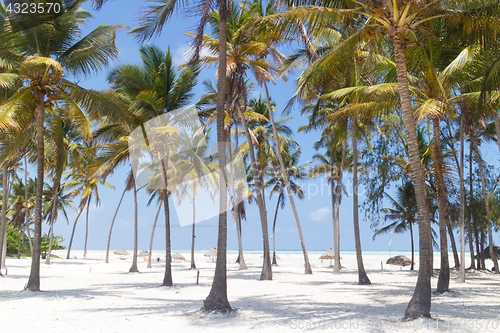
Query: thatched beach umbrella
{"x":143,"y":254}
{"x":399,"y":261}
{"x":329,"y":254}
{"x":486,"y":252}
{"x":121,"y":252}
{"x":212,"y":253}
{"x":178,"y":256}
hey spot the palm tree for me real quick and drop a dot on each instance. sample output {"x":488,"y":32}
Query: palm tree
{"x":150,"y":91}
{"x":21,"y":207}
{"x":128,"y":186}
{"x":196,"y":170}
{"x":57,"y":204}
{"x":42,"y":53}
{"x":277,"y":181}
{"x":403,"y":213}
{"x":398,"y":22}
{"x":85,"y":183}
{"x":242,"y":51}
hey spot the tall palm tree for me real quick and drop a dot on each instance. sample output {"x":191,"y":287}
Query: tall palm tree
{"x":242,"y":51}
{"x":398,"y":23}
{"x":128,"y":186}
{"x":56,"y":204}
{"x":276,"y":180}
{"x":148,"y":91}
{"x":22,"y":197}
{"x":41,"y":55}
{"x":84,"y":182}
{"x":197,"y":172}
{"x":151,"y":24}
{"x":403,"y":213}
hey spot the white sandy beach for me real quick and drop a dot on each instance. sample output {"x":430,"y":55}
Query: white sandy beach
{"x":91,"y":296}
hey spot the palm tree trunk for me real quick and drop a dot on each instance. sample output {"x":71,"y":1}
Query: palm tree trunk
{"x":241,"y":258}
{"x":51,"y":231}
{"x":153,"y":234}
{"x":478,"y":247}
{"x":362,"y":277}
{"x":34,"y":279}
{"x":420,"y":303}
{"x":486,"y":203}
{"x":483,"y":241}
{"x":20,"y":238}
{"x":412,"y":247}
{"x":274,"y":226}
{"x":4,"y":253}
{"x":444,"y":272}
{"x":307,"y":265}
{"x":453,"y":245}
{"x":236,"y":203}
{"x":469,"y":220}
{"x":266,"y":273}
{"x":3,"y":228}
{"x":73,"y":232}
{"x":336,"y":225}
{"x":167,"y":278}
{"x":461,"y":274}
{"x":217,"y":298}
{"x":26,"y":203}
{"x":29,"y":240}
{"x":133,"y":268}
{"x":86,"y":229}
{"x":193,"y":265}
{"x":112,"y":224}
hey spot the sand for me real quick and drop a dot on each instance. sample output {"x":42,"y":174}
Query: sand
{"x":91,"y":296}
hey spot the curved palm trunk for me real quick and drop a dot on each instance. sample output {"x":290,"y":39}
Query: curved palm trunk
{"x":193,"y":265}
{"x":461,"y":275}
{"x":217,"y":298}
{"x":153,"y":234}
{"x":444,"y":272}
{"x":486,"y":203}
{"x":112,"y":224}
{"x":26,"y":203}
{"x":420,"y":304}
{"x":236,"y":203}
{"x":73,"y":232}
{"x":86,"y":229}
{"x":274,"y":226}
{"x":51,"y":231}
{"x":133,"y":268}
{"x":362,"y":277}
{"x":34,"y":279}
{"x":336,"y":226}
{"x":167,"y":278}
{"x":307,"y":265}
{"x":3,"y":228}
{"x":266,"y":273}
{"x":453,"y":245}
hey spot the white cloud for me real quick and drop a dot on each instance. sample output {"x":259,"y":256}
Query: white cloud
{"x":320,"y":214}
{"x":181,"y":54}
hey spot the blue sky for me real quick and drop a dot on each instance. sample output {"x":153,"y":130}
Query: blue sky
{"x":314,"y":210}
